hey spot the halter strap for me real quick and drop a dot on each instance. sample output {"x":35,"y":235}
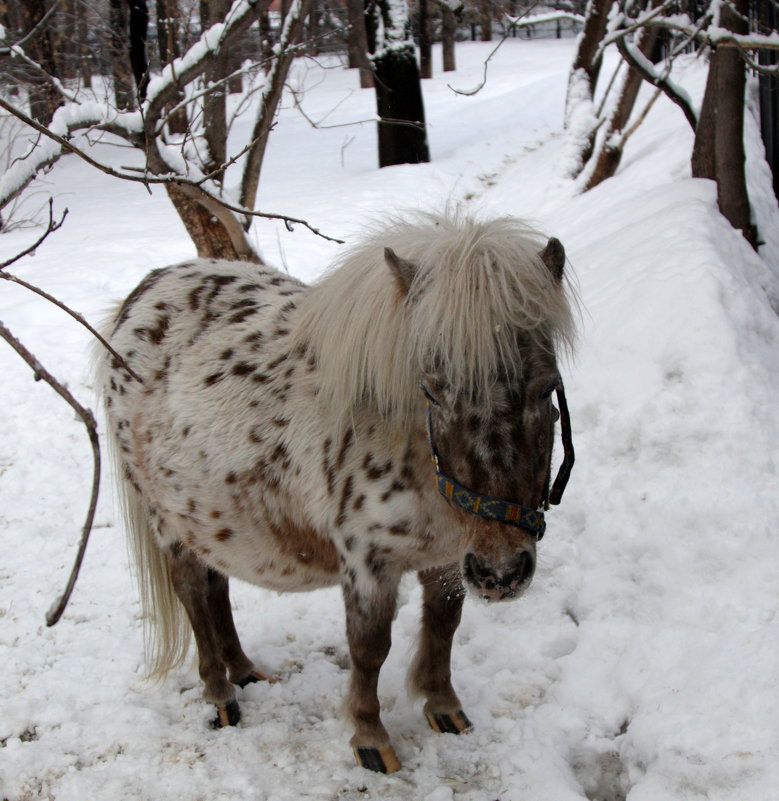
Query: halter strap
{"x":513,"y":514}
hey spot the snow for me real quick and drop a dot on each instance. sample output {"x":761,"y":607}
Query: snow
{"x":642,"y":664}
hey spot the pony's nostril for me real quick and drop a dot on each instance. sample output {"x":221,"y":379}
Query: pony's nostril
{"x":522,"y":569}
{"x":478,"y":573}
{"x":471,"y":568}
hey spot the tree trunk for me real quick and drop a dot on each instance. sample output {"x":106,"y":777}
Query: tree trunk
{"x":703,"y":162}
{"x":585,"y":61}
{"x":168,"y":21}
{"x":266,"y":42}
{"x":607,"y":159}
{"x":448,"y":30}
{"x":720,"y":135}
{"x":485,"y":17}
{"x":120,"y":63}
{"x":271,"y":96}
{"x":214,"y":105}
{"x":44,"y":98}
{"x":139,"y":27}
{"x":402,"y":132}
{"x":214,"y":230}
{"x":84,"y":63}
{"x":66,"y":46}
{"x":357,"y":42}
{"x":425,"y":42}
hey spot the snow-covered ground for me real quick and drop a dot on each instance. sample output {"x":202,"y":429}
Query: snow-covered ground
{"x":644,"y":662}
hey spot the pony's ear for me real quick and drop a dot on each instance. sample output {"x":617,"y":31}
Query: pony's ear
{"x":403,"y":270}
{"x":553,"y":256}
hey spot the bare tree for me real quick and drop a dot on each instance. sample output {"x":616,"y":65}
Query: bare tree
{"x":192,"y":168}
{"x":448,"y":31}
{"x":425,"y":40}
{"x":357,"y":42}
{"x":718,"y":154}
{"x":402,"y":130}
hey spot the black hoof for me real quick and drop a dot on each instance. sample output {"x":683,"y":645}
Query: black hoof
{"x":379,"y":760}
{"x":444,"y":723}
{"x":228,"y":714}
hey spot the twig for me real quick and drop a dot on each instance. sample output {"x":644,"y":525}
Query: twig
{"x":39,"y":24}
{"x":56,"y":610}
{"x":50,"y":228}
{"x":477,"y":89}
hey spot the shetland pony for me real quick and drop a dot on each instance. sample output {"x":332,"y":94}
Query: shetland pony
{"x":282,"y":434}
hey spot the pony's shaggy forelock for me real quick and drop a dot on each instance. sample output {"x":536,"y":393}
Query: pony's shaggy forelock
{"x":477,"y":284}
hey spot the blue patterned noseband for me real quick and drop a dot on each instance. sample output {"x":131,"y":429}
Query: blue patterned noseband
{"x":514,"y":514}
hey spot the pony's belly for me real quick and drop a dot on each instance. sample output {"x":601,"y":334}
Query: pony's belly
{"x":275,"y":572}
{"x":273,"y":552}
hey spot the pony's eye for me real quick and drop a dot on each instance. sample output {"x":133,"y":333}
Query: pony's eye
{"x":555,"y":414}
{"x":429,"y":395}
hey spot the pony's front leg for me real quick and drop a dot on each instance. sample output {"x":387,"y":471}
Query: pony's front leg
{"x":431,"y":673}
{"x":370,"y":609}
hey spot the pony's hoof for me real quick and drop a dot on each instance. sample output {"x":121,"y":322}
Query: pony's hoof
{"x":379,"y":760}
{"x":445,"y":723}
{"x":254,"y":677}
{"x":226,"y":715}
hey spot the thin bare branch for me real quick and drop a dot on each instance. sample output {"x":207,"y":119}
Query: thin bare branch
{"x":50,"y":229}
{"x":40,"y":372}
{"x":514,"y":23}
{"x":33,"y":31}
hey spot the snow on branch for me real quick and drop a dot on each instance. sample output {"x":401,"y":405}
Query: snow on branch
{"x":636,"y":59}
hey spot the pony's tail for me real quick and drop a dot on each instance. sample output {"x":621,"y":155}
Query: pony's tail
{"x":166,"y":630}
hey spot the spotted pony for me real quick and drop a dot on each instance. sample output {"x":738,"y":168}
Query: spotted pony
{"x":284,"y":434}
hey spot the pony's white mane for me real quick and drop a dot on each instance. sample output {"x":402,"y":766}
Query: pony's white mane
{"x":477,"y":284}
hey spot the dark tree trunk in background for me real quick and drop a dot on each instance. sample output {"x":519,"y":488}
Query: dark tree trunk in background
{"x":719,"y":142}
{"x":120,"y":62}
{"x":768,"y":20}
{"x":313,"y":29}
{"x":485,"y":18}
{"x":425,"y":41}
{"x":214,"y":105}
{"x":402,"y":132}
{"x":703,"y":162}
{"x":357,"y":42}
{"x":448,"y":29}
{"x":169,"y":43}
{"x":139,"y":27}
{"x":266,"y":42}
{"x":44,"y":98}
{"x":84,"y":63}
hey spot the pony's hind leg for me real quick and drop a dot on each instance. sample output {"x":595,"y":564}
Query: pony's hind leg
{"x":431,"y":674}
{"x":241,"y":670}
{"x":190,"y":579}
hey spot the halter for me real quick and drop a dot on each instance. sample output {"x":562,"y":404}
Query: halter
{"x":514,"y":514}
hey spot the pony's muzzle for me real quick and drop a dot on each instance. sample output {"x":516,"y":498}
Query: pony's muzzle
{"x":494,"y":584}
